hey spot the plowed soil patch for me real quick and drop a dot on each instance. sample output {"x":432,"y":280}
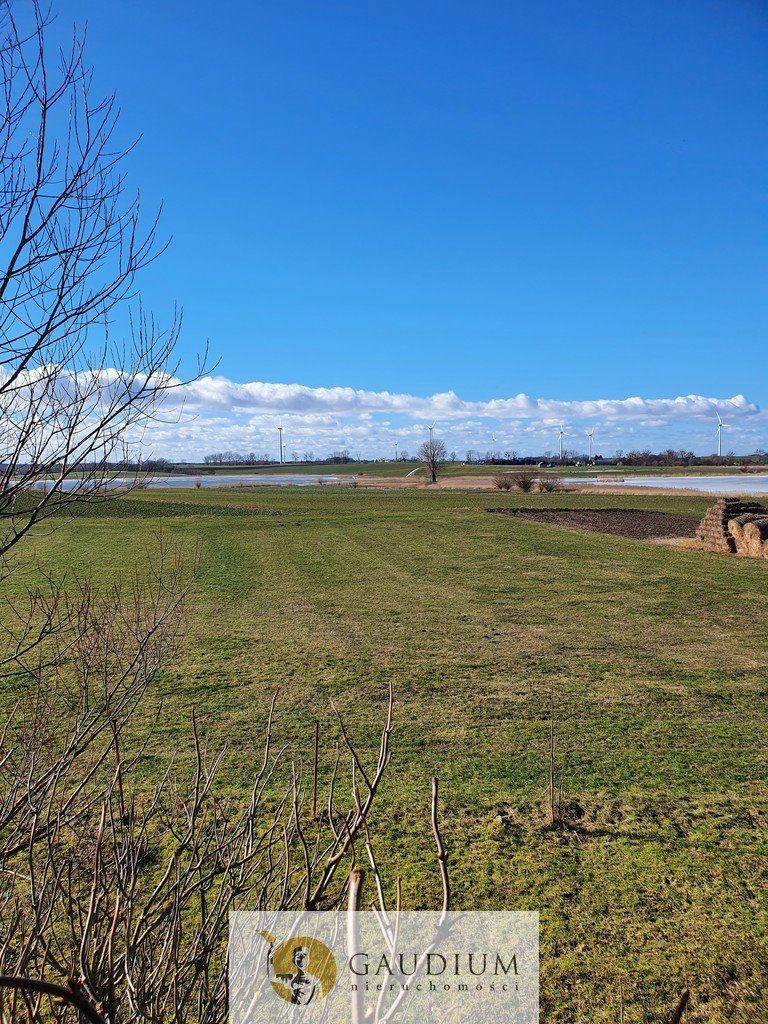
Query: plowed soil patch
{"x":622,"y":522}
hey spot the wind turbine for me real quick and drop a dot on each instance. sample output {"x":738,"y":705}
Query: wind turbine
{"x":493,"y":449}
{"x":562,"y":433}
{"x":395,"y":451}
{"x":589,"y":435}
{"x":280,"y":432}
{"x":720,"y":426}
{"x":432,"y":427}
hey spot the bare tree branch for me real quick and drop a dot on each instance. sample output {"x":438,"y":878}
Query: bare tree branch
{"x":73,"y":403}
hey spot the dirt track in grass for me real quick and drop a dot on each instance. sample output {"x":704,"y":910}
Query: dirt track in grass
{"x":622,"y":522}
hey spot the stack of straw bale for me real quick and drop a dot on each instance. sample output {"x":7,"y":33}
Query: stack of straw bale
{"x":733,"y":526}
{"x":750,"y":533}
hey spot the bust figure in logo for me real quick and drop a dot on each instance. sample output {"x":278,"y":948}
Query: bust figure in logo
{"x":301,"y":970}
{"x":302,"y":986}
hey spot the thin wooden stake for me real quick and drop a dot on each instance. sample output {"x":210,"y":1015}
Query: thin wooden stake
{"x":314,"y":773}
{"x":353,"y":937}
{"x":621,"y":1000}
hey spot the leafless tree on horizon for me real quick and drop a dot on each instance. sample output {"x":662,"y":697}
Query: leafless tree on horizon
{"x":433,"y":453}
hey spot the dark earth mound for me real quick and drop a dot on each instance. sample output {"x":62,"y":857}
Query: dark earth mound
{"x":623,"y":522}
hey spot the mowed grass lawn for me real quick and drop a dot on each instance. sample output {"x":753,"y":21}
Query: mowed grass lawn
{"x":654,"y":658}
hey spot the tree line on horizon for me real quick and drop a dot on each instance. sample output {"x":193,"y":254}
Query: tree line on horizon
{"x":668,"y":458}
{"x":636,"y":457}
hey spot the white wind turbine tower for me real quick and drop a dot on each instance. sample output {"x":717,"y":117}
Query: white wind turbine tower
{"x":589,"y":435}
{"x":493,"y":447}
{"x":432,"y":427}
{"x":720,"y":426}
{"x":563,"y":433}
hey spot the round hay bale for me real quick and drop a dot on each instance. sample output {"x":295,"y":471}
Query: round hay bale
{"x":736,"y":529}
{"x":755,"y":534}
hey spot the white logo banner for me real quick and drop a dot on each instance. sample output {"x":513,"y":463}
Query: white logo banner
{"x":366,"y":968}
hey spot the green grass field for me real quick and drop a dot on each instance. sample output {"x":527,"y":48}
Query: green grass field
{"x":653,"y":656}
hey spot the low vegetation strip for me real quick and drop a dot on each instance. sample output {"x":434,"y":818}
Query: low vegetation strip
{"x":622,"y":522}
{"x":140,"y":508}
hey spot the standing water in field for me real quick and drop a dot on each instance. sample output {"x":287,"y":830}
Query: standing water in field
{"x":264,"y":479}
{"x":737,"y":483}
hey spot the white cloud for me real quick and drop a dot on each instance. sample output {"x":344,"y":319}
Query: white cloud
{"x":216,"y":414}
{"x":223,"y":395}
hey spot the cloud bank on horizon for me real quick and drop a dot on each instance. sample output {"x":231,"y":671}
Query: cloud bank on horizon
{"x":217,"y":414}
{"x":223,"y":395}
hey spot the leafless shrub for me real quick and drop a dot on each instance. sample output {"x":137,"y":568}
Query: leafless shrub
{"x":524,"y":479}
{"x":549,"y":482}
{"x":555,"y":772}
{"x":557,"y":765}
{"x":504,"y":481}
{"x":115,"y":897}
{"x":128,"y":892}
{"x":84,"y":660}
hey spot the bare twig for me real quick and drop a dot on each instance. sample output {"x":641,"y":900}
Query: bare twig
{"x":677,"y":1014}
{"x":71,"y":993}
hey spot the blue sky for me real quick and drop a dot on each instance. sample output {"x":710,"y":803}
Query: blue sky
{"x":562,"y":200}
